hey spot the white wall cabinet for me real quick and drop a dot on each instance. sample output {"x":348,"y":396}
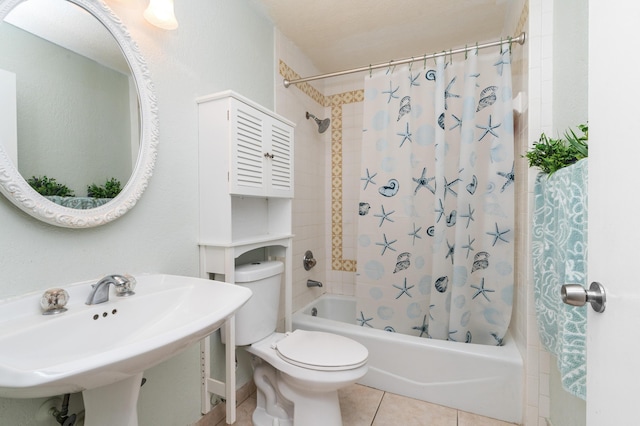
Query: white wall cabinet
{"x":245,"y":190}
{"x":254,"y":145}
{"x":245,"y":171}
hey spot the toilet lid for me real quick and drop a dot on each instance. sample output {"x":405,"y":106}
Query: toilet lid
{"x":317,"y":350}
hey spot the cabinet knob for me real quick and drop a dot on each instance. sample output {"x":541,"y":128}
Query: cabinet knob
{"x":267,"y":155}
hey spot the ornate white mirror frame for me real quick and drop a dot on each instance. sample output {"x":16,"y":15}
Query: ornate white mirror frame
{"x":19,"y":192}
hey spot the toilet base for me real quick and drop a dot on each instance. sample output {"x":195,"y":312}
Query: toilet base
{"x":262,"y":418}
{"x":311,"y":408}
{"x":289,"y":394}
{"x":272,"y":409}
{"x":282,"y":402}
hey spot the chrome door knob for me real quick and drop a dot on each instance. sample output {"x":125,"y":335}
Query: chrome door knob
{"x":576,"y":295}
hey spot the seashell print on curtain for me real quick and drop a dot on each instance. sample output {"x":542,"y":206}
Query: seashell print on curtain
{"x":436,"y":213}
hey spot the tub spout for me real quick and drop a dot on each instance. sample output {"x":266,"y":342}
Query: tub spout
{"x":312,"y":283}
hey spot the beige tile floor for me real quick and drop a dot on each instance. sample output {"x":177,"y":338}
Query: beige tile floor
{"x":365,"y":406}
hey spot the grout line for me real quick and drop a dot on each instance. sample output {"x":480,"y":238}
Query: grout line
{"x":378,"y":408}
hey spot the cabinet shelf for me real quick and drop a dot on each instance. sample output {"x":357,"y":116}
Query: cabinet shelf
{"x":257,"y":240}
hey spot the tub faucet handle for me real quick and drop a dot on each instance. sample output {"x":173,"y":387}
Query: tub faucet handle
{"x":309,"y":261}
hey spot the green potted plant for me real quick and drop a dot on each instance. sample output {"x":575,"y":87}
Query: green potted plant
{"x":550,"y":154}
{"x":49,"y":187}
{"x":110,"y":189}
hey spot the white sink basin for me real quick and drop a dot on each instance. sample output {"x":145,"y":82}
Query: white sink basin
{"x":92,"y":346}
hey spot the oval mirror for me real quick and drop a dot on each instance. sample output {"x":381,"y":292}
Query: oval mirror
{"x":82,"y":116}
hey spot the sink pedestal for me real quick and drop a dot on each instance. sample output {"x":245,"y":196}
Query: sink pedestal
{"x":114,"y":404}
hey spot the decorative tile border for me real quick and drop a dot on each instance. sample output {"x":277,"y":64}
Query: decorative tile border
{"x":524,"y":17}
{"x":305,"y":87}
{"x":338,"y":263}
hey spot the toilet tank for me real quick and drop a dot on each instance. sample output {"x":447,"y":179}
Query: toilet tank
{"x":258,"y":318}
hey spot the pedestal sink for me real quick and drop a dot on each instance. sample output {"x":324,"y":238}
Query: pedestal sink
{"x":102,"y":350}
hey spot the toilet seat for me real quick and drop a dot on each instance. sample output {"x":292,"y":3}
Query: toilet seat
{"x":317,"y":350}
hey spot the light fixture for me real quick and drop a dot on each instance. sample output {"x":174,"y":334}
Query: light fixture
{"x":160,"y":13}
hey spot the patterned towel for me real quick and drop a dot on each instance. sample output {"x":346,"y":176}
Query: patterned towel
{"x":560,"y":257}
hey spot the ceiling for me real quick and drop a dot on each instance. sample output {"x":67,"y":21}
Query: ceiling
{"x":70,"y":27}
{"x":341,"y":34}
{"x":334,"y":34}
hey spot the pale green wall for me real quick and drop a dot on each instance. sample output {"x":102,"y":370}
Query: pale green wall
{"x":570,"y":81}
{"x":570,"y":67}
{"x":58,"y":90}
{"x":219,"y":45}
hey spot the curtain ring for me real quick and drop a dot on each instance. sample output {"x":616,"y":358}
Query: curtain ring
{"x":501,"y":45}
{"x":411,"y":64}
{"x":450,"y":57}
{"x":370,"y":70}
{"x":465,"y":52}
{"x":510,"y":43}
{"x":476,"y":49}
{"x":425,"y":62}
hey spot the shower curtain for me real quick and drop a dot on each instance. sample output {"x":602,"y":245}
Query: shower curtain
{"x":436,"y":221}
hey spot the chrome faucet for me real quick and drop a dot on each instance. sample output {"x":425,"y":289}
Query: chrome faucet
{"x":124,"y":285}
{"x":312,"y":283}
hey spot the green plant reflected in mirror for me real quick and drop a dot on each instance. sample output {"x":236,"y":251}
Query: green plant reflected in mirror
{"x":49,"y":187}
{"x":110,"y":189}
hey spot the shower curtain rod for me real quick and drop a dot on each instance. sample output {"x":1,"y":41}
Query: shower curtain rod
{"x":520,"y":40}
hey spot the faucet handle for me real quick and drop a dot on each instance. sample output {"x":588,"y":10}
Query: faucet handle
{"x":309,"y":261}
{"x":125,"y":285}
{"x":53,"y":301}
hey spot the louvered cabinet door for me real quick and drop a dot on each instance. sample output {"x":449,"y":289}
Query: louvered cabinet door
{"x":280,"y":160}
{"x":247,"y":171}
{"x":261,"y":153}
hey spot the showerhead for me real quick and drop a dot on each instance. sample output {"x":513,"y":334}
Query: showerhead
{"x":322,"y":124}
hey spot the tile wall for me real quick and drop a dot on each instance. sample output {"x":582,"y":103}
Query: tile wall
{"x":310,"y":153}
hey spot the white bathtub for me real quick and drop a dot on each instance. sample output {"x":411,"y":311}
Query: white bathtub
{"x":485,"y":380}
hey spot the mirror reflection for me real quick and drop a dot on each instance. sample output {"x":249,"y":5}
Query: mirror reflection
{"x":69,"y":108}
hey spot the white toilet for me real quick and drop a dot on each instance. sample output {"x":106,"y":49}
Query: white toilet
{"x":297,"y":374}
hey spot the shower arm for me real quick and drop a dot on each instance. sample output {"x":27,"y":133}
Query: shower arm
{"x":520,"y":40}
